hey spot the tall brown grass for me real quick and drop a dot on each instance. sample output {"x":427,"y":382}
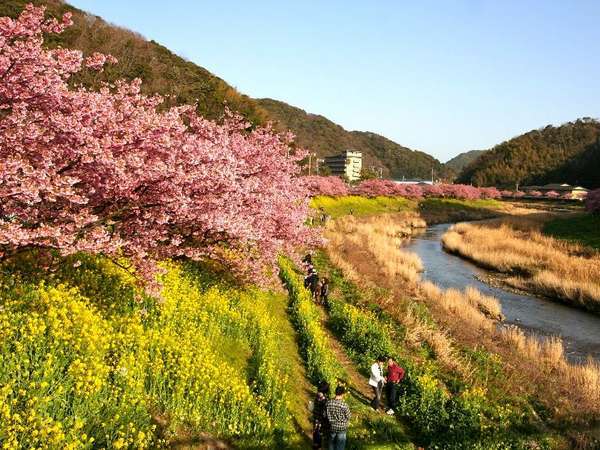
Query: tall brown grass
{"x":535,"y":262}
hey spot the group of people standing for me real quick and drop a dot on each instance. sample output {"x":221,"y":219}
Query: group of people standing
{"x":332,"y":416}
{"x":390,"y":382}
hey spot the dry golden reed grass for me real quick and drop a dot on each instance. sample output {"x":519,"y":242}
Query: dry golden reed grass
{"x":381,"y":236}
{"x":370,"y":248}
{"x":538,"y":263}
{"x":581,"y":380}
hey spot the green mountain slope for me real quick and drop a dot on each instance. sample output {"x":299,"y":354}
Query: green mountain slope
{"x":568,"y":153}
{"x":462,"y":160}
{"x":161,"y":70}
{"x":321,"y":135}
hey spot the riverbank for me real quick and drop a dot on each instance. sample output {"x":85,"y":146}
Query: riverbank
{"x":582,"y":229}
{"x":432,"y":210}
{"x":530,"y":260}
{"x":452,"y":326}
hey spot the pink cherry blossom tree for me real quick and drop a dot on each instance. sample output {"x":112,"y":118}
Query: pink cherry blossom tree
{"x":376,"y":187}
{"x":535,"y":194}
{"x":489,"y":193}
{"x":552,"y":194}
{"x":507,"y":194}
{"x":332,"y":186}
{"x":433,"y":190}
{"x":108,"y":172}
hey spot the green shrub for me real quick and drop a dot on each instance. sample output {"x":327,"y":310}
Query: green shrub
{"x":321,"y":362}
{"x":361,"y":332}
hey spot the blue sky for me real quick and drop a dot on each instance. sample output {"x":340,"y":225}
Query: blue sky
{"x":442,"y":77}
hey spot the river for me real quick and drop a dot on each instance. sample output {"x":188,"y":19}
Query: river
{"x":579,"y":330}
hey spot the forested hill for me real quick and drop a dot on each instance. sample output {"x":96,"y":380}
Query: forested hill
{"x":568,"y":153}
{"x":160,"y":69}
{"x":462,"y":160}
{"x":319,"y":134}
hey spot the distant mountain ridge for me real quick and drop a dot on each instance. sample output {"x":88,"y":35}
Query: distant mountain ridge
{"x":321,"y":135}
{"x":462,"y":160}
{"x":569,"y":153}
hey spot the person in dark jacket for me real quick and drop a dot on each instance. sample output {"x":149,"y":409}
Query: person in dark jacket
{"x":324,"y":291}
{"x":311,"y":282}
{"x":319,"y":421}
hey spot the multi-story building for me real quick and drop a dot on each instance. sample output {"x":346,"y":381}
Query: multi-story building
{"x":348,"y":164}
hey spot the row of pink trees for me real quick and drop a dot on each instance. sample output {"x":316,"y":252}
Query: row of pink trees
{"x":334,"y":186}
{"x":537,"y":194}
{"x":108,"y":172}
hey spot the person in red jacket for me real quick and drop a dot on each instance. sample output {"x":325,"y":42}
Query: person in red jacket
{"x":395,"y":374}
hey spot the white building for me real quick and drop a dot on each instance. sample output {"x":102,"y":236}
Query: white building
{"x":348,"y":164}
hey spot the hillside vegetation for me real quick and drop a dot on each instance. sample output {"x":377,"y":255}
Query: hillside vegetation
{"x":162,"y":71}
{"x":462,"y":160}
{"x":568,"y":153}
{"x":319,"y":134}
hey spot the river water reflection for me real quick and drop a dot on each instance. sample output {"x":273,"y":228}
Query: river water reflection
{"x":579,"y":330}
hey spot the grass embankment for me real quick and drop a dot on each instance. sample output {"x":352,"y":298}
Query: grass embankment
{"x":532,"y":261}
{"x":361,"y":206}
{"x":433,"y":210}
{"x":525,"y":381}
{"x":89,"y":361}
{"x":581,"y":229}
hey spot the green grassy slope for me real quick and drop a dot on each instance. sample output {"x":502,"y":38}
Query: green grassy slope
{"x":86,"y":356}
{"x":433,"y":210}
{"x":582,"y":229}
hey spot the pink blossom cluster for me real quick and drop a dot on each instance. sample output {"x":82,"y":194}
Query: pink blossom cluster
{"x":535,"y":194}
{"x":552,"y":194}
{"x":592,"y":201}
{"x":108,"y":172}
{"x":378,"y":187}
{"x":332,"y":186}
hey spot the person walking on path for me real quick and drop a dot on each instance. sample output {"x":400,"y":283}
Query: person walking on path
{"x":324,"y":291}
{"x":314,"y":285}
{"x":395,"y":375}
{"x":319,"y":421}
{"x":337,"y":414}
{"x":311,"y":278}
{"x":377,"y":381}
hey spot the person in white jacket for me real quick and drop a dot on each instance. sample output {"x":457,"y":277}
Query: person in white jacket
{"x":377,"y":381}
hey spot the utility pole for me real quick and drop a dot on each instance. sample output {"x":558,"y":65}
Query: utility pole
{"x":310,"y":155}
{"x":432,"y":175}
{"x":317,"y":162}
